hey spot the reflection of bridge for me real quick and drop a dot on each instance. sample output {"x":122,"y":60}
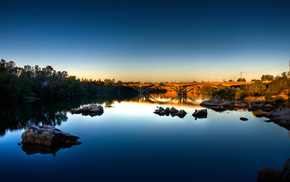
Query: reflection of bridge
{"x":169,"y":99}
{"x":179,"y":88}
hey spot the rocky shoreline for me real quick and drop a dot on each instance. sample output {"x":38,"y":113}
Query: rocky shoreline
{"x":219,"y":104}
{"x":274,"y":113}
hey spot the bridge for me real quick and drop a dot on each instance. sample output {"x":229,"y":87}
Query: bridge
{"x":179,"y":88}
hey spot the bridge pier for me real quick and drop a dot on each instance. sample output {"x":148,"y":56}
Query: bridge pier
{"x":142,"y":90}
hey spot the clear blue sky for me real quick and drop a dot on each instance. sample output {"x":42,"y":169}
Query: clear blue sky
{"x":149,"y":40}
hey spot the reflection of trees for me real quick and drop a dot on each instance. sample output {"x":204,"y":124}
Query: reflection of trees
{"x":18,"y":116}
{"x":31,"y":149}
{"x":14,"y":117}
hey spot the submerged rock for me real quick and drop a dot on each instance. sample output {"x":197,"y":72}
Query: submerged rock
{"x":200,"y":113}
{"x":48,"y":136}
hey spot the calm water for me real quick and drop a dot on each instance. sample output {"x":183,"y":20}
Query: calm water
{"x":130,"y":143}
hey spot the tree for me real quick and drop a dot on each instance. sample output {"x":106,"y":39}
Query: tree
{"x":241,"y":80}
{"x":257,"y":88}
{"x":267,"y":78}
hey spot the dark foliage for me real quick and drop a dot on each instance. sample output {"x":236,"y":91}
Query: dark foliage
{"x":18,"y":83}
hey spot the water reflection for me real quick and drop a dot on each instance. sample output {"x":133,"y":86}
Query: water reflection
{"x":31,"y":149}
{"x":170,"y":98}
{"x":130,"y":139}
{"x":17,"y":116}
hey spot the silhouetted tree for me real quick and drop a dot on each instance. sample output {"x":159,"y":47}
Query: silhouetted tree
{"x":267,"y":78}
{"x":241,"y":80}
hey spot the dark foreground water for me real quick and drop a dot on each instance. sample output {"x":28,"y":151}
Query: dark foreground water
{"x":130,"y":143}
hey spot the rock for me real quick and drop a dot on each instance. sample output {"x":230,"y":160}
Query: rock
{"x":273,"y":175}
{"x":173,"y":110}
{"x":269,"y":106}
{"x":266,"y":114}
{"x":162,"y":112}
{"x":181,"y":113}
{"x":167,"y":110}
{"x":18,"y":144}
{"x":205,"y":103}
{"x":156,"y":111}
{"x":267,"y":175}
{"x":243,"y":105}
{"x":218,"y":108}
{"x":101,"y":108}
{"x":267,"y":121}
{"x":47,"y":135}
{"x":287,"y":111}
{"x":161,"y":109}
{"x":285,"y":172}
{"x":250,"y":107}
{"x":244,"y":119}
{"x":200,"y":113}
{"x":92,"y":110}
{"x":280,"y":117}
{"x":227,"y":104}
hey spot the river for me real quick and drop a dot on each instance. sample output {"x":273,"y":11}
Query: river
{"x":128,"y":142}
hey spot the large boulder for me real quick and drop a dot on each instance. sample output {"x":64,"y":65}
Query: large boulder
{"x":48,"y":136}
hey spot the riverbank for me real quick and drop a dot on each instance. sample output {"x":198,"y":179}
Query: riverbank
{"x":274,"y":111}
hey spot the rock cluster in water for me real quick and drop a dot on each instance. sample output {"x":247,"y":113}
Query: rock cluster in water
{"x":280,"y":116}
{"x":170,"y":111}
{"x":48,"y":136}
{"x":274,"y":175}
{"x":218,"y":104}
{"x":92,"y":110}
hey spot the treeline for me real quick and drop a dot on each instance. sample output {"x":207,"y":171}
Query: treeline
{"x":18,"y":83}
{"x":279,"y":86}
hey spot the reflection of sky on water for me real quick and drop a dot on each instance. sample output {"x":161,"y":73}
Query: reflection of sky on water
{"x":130,"y":143}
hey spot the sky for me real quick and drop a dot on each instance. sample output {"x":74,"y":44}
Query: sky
{"x":149,"y":40}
